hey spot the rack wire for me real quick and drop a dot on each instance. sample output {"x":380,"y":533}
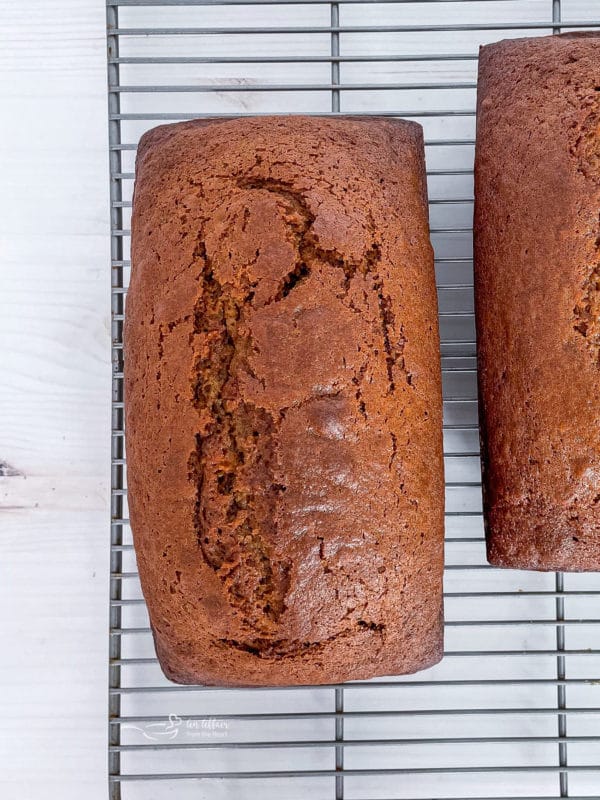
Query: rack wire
{"x":513,"y":711}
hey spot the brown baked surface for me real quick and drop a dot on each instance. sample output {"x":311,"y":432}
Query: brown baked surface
{"x":283,"y":400}
{"x":537,"y":291}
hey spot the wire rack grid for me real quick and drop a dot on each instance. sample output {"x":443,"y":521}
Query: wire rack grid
{"x":513,"y":711}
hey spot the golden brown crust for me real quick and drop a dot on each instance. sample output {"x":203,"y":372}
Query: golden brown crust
{"x":283,"y":400}
{"x":537,"y":287}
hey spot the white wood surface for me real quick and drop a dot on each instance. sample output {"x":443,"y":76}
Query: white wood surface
{"x":54,"y":395}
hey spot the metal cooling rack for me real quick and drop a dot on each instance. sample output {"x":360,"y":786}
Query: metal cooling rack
{"x":513,"y":711}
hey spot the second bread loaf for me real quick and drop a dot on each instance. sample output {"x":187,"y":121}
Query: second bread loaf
{"x":537,"y":290}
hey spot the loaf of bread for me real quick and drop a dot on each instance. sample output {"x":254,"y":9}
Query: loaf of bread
{"x":537,"y":291}
{"x":283,"y":400}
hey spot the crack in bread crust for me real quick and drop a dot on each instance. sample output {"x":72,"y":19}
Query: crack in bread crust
{"x":238,"y":436}
{"x":235,"y":439}
{"x":586,"y":150}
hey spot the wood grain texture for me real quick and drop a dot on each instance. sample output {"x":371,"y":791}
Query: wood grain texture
{"x":54,"y":399}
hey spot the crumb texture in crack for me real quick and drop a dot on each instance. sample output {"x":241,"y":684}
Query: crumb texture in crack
{"x":231,"y":465}
{"x":587,"y":313}
{"x":282,"y":648}
{"x":586,"y":151}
